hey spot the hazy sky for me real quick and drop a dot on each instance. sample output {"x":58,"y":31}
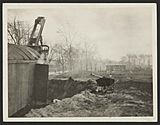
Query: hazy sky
{"x":115,"y":30}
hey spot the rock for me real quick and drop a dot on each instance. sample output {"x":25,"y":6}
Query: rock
{"x":55,"y":100}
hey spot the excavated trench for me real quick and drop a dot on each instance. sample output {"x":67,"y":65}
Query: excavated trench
{"x":74,"y":98}
{"x":60,"y":89}
{"x":65,"y":88}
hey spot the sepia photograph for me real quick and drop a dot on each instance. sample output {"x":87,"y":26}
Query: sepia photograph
{"x":80,"y":62}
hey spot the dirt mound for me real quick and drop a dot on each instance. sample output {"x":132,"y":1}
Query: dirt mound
{"x":71,"y":98}
{"x":78,"y":105}
{"x":124,"y":102}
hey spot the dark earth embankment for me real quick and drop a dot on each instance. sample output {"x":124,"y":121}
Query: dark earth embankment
{"x":74,"y":99}
{"x":60,"y":88}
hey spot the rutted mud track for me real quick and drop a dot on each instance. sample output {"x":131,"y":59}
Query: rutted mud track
{"x":128,"y":99}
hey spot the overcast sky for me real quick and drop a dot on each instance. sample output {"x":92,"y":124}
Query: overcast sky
{"x":115,"y":30}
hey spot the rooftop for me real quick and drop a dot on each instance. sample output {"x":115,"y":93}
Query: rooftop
{"x":21,"y":52}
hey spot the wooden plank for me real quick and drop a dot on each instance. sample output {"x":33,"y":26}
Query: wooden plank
{"x":33,"y":52}
{"x":31,"y":56}
{"x":13,"y":54}
{"x":12,"y":89}
{"x":24,"y":92}
{"x":31,"y":82}
{"x":22,"y":61}
{"x":18,"y":76}
{"x":20,"y":51}
{"x":98,"y":76}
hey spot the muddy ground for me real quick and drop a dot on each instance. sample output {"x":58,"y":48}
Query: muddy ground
{"x":129,"y":98}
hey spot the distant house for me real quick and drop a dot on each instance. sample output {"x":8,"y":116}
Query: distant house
{"x":115,"y":67}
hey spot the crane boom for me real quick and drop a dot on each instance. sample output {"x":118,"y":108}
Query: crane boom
{"x":35,"y":40}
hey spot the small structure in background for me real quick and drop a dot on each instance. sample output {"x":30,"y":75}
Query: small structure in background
{"x":110,"y":68}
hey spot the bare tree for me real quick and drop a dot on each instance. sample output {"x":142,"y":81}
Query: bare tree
{"x":18,"y":32}
{"x":57,"y":54}
{"x":68,"y":36}
{"x":72,"y":51}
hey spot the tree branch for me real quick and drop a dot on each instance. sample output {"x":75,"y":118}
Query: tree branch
{"x":12,"y":37}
